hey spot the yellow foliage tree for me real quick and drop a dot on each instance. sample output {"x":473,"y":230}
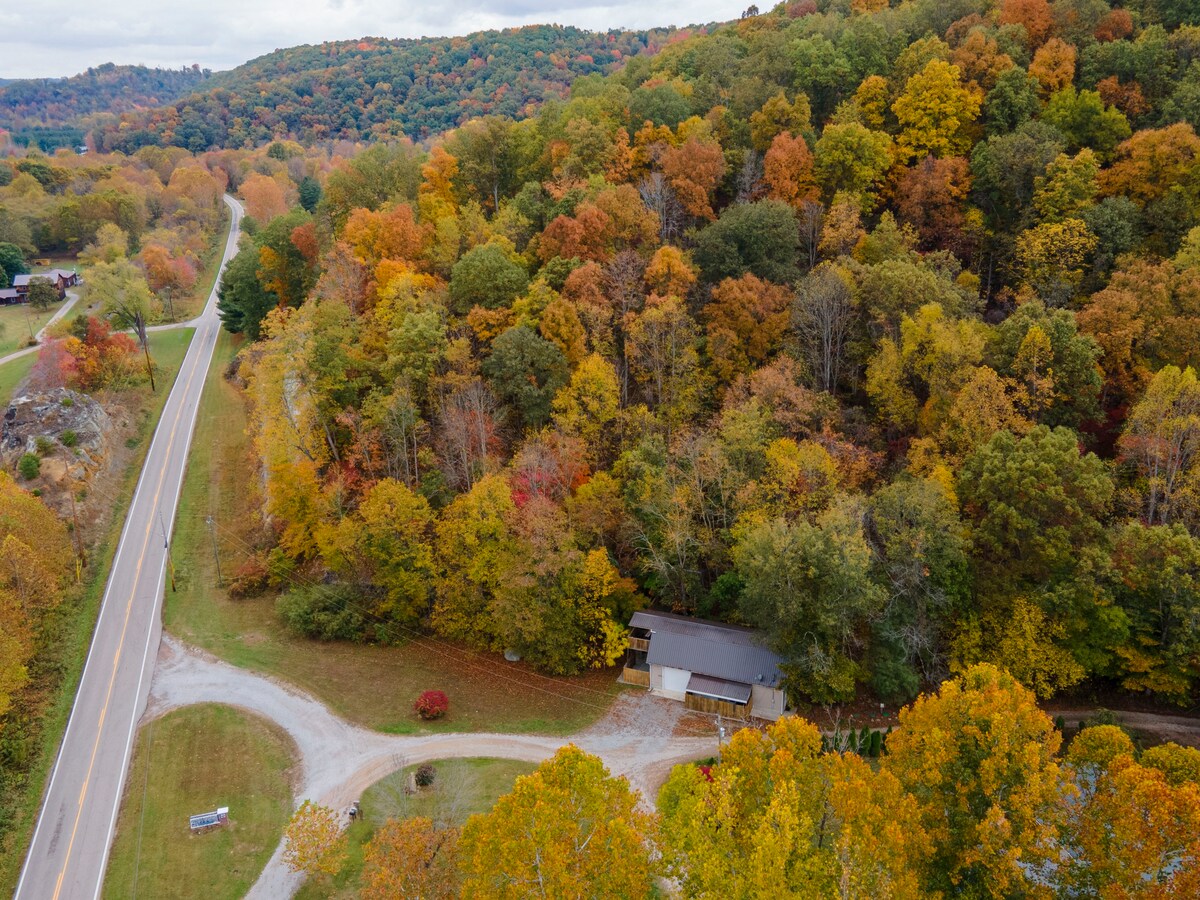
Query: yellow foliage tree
{"x":1051,"y":258}
{"x":569,"y":829}
{"x":588,"y":405}
{"x":980,"y":759}
{"x":935,"y":112}
{"x":1053,"y":66}
{"x":1137,"y":836}
{"x":314,"y":842}
{"x":669,"y":274}
{"x":775,"y":818}
{"x":778,"y":116}
{"x":411,"y":858}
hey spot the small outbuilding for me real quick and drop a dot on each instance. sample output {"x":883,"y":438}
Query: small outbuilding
{"x":710,"y":666}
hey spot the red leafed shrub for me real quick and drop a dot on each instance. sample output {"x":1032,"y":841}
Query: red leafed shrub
{"x":706,"y":771}
{"x":250,"y":579}
{"x":432,"y":705}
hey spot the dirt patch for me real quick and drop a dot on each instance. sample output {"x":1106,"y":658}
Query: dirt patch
{"x":651,"y":718}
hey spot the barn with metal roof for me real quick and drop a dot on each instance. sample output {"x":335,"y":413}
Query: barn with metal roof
{"x":711,"y":666}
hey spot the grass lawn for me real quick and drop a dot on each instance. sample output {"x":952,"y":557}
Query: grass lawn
{"x":13,"y":373}
{"x":167,"y":349}
{"x":30,"y":752}
{"x":190,"y":761}
{"x":17,"y":321}
{"x":462,"y":788}
{"x":374,"y":686}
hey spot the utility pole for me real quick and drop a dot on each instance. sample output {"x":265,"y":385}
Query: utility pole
{"x":139,"y":325}
{"x":167,"y":547}
{"x":720,"y":736}
{"x":78,"y":544}
{"x":212,"y":530}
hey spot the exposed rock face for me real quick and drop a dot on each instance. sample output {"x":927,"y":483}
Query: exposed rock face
{"x":68,"y":430}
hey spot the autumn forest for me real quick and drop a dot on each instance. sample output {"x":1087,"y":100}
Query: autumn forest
{"x":871,"y":325}
{"x":875,"y":331}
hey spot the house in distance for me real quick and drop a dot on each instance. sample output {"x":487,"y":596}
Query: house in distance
{"x":710,"y":666}
{"x":60,"y":280}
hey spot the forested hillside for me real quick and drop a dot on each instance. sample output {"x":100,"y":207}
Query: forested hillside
{"x":48,"y":112}
{"x":378,"y":88}
{"x":873,"y":328}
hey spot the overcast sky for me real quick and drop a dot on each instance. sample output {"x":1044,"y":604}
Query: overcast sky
{"x":61,"y":37}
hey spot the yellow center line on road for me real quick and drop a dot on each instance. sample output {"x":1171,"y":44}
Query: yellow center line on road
{"x":125,"y":627}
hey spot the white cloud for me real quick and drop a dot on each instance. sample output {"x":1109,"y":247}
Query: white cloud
{"x":62,"y":37}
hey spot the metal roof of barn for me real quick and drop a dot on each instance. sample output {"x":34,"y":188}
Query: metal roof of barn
{"x":719,"y":689}
{"x":726,"y":652}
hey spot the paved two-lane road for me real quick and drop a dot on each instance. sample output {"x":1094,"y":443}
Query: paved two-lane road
{"x":74,"y":832}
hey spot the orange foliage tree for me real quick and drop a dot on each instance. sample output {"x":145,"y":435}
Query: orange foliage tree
{"x":746,"y":319}
{"x":694,"y":169}
{"x":788,"y":169}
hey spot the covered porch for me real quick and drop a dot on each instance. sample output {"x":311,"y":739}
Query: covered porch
{"x":731,"y":699}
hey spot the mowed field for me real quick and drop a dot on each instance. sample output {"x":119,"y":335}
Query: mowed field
{"x":192,"y":761}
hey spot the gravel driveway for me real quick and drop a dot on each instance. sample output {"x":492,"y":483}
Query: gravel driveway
{"x":641,"y":737}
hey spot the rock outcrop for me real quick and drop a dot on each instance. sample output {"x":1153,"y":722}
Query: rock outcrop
{"x":69,"y":431}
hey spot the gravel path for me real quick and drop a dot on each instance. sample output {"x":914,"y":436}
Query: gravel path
{"x":641,"y":737}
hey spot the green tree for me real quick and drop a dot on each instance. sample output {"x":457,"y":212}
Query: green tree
{"x":495,"y":155}
{"x":1036,"y":502}
{"x":380,"y":173}
{"x":852,"y":159}
{"x":921,"y":558}
{"x":1007,"y":167}
{"x":808,"y":586}
{"x":121,"y":290}
{"x":1066,"y":390}
{"x":1036,"y":506}
{"x":41,"y":293}
{"x":286,"y":266}
{"x":486,"y":276}
{"x":1086,"y":121}
{"x":527,"y":371}
{"x":310,"y":193}
{"x":760,"y":238}
{"x":242,"y":301}
{"x":1157,"y":585}
{"x":1011,"y":102}
{"x":12,"y":260}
